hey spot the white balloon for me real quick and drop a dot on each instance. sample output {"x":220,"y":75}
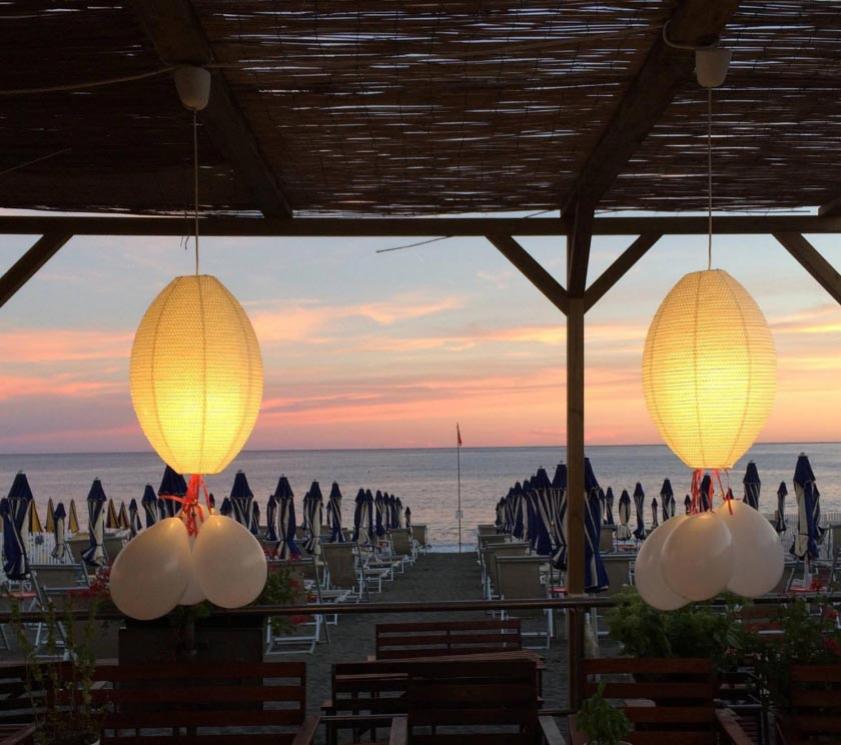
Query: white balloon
{"x":698,"y":557}
{"x":150,"y":574}
{"x":229,"y":563}
{"x":193,"y":594}
{"x":648,"y":569}
{"x":758,"y":552}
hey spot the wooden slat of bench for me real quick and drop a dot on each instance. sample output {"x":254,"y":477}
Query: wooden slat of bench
{"x":816,"y":673}
{"x":199,"y":694}
{"x":388,"y":628}
{"x":195,"y":672}
{"x":277,"y":738}
{"x":672,"y":691}
{"x":815,"y":724}
{"x":672,"y":738}
{"x":152,"y":719}
{"x":678,"y":666}
{"x":809,"y":698}
{"x":670,"y":714}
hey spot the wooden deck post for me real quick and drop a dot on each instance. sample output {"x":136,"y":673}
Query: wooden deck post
{"x":575,"y":446}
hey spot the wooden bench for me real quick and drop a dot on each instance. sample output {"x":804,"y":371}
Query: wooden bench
{"x":474,"y":702}
{"x":407,"y":640}
{"x":15,"y":701}
{"x":196,"y":703}
{"x":814,"y":715}
{"x":668,"y":701}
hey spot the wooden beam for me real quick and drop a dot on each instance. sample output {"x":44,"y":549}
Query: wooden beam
{"x":531,"y":269}
{"x":26,"y":266}
{"x":812,"y":261}
{"x":664,"y":70}
{"x":610,"y":276}
{"x":575,"y":447}
{"x":578,"y":247}
{"x":409,"y":227}
{"x":830,"y":209}
{"x":176,"y":32}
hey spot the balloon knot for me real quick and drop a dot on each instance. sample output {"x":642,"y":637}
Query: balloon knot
{"x":192,"y":512}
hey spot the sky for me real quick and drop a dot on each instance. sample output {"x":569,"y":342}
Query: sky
{"x":391,"y":350}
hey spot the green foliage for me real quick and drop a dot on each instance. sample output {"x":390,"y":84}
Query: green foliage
{"x":60,"y":691}
{"x":283,"y":587}
{"x":601,"y":722}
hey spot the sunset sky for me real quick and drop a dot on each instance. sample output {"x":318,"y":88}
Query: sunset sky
{"x":390,"y":350}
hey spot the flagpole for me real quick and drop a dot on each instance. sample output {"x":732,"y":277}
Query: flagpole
{"x":458,"y":466}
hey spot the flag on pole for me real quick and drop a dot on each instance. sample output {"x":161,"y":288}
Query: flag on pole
{"x":458,"y":435}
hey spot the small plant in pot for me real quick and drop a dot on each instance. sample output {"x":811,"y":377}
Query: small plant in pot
{"x":602,"y":723}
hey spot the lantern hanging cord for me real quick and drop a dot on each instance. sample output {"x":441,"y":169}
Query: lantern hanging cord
{"x":709,"y":178}
{"x":196,"y":183}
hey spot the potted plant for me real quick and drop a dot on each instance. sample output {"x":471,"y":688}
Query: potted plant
{"x":59,"y":677}
{"x":602,"y":723}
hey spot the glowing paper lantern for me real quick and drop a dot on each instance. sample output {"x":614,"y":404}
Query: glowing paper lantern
{"x":709,"y":370}
{"x":196,"y":375}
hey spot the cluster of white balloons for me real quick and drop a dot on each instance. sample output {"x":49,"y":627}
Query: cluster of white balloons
{"x":164,"y":567}
{"x":696,"y":557}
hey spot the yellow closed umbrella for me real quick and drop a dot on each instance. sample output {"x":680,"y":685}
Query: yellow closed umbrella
{"x":34,"y":521}
{"x":49,"y":525}
{"x":72,"y":519}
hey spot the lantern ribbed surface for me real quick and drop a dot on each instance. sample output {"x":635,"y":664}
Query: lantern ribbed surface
{"x":196,"y":375}
{"x":709,"y":370}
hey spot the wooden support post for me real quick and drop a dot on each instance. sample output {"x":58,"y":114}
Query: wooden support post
{"x":26,"y":266}
{"x":533,"y":271}
{"x":575,"y":446}
{"x":811,"y":260}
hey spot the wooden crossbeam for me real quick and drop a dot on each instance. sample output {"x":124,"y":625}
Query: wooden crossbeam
{"x":579,"y":237}
{"x":408,"y":227}
{"x":610,"y":276}
{"x":831,"y":209}
{"x":531,"y":269}
{"x":176,"y":32}
{"x":26,"y":266}
{"x":812,"y":261}
{"x":695,"y":22}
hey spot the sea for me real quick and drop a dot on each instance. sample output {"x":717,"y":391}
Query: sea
{"x":427,"y":480}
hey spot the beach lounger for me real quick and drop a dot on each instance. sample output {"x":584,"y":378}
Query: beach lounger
{"x":490,"y":553}
{"x":420,"y":534}
{"x":485,"y":529}
{"x":342,"y":568}
{"x":402,"y":546}
{"x":521,"y":578}
{"x":307,"y":631}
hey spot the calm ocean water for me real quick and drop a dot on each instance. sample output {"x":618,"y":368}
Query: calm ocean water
{"x":424,"y":479}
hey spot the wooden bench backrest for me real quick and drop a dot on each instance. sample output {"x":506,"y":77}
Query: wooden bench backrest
{"x":672,"y":700}
{"x":406,"y":640}
{"x":15,"y":701}
{"x":146,"y":700}
{"x":467,"y":697}
{"x":815,"y":714}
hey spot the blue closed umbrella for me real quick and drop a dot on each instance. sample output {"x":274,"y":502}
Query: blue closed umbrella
{"x":16,"y":528}
{"x":706,"y":496}
{"x":61,"y":551}
{"x":809,"y":533}
{"x":172,"y":485}
{"x":780,"y":515}
{"x":559,"y":511}
{"x":687,"y":504}
{"x":94,"y":554}
{"x":254,"y":523}
{"x":752,"y":485}
{"x":134,"y":523}
{"x":271,"y":519}
{"x":379,"y":513}
{"x":667,"y":500}
{"x":655,"y":515}
{"x":520,"y":512}
{"x":608,"y":507}
{"x":398,"y":506}
{"x":149,"y":501}
{"x":241,"y":499}
{"x":408,"y":514}
{"x":541,"y":490}
{"x":315,"y":514}
{"x":334,"y":514}
{"x":595,"y":576}
{"x":623,"y":531}
{"x":286,"y":520}
{"x":226,"y":509}
{"x":639,"y":506}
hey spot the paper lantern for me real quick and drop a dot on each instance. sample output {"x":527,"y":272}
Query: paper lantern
{"x":709,"y":370}
{"x":196,"y":375}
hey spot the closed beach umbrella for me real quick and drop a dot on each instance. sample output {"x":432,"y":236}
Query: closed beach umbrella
{"x":49,"y":523}
{"x":542,"y":488}
{"x":499,"y":515}
{"x":707,"y":492}
{"x":61,"y":550}
{"x":559,"y":512}
{"x":112,"y":520}
{"x":608,"y":506}
{"x":408,"y":515}
{"x":398,"y":507}
{"x":163,"y":508}
{"x":20,"y":514}
{"x":241,"y":498}
{"x":752,"y":485}
{"x":172,"y":485}
{"x":315,"y":517}
{"x":271,"y":520}
{"x":150,"y":505}
{"x":623,"y":530}
{"x":72,"y":519}
{"x":94,"y":554}
{"x":639,"y":506}
{"x":808,"y":533}
{"x":655,"y":515}
{"x":780,"y":515}
{"x":595,"y":576}
{"x":15,"y":564}
{"x":226,"y":509}
{"x":211,"y":501}
{"x":133,"y":517}
{"x":358,"y":510}
{"x":334,"y":514}
{"x":687,"y":504}
{"x":287,"y":526}
{"x":368,"y":518}
{"x":667,"y":500}
{"x":379,"y":514}
{"x":520,"y":512}
{"x":254,"y":524}
{"x":35,"y":526}
{"x":122,"y":516}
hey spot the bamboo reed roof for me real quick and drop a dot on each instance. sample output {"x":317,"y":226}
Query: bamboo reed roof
{"x":416,"y":107}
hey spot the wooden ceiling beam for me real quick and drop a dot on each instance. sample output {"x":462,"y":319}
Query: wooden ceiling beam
{"x":176,"y":33}
{"x":813,"y":262}
{"x":831,"y":209}
{"x":618,"y":269}
{"x":399,"y":227}
{"x":27,"y":265}
{"x":665,"y":69}
{"x":531,"y":270}
{"x":579,"y":237}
